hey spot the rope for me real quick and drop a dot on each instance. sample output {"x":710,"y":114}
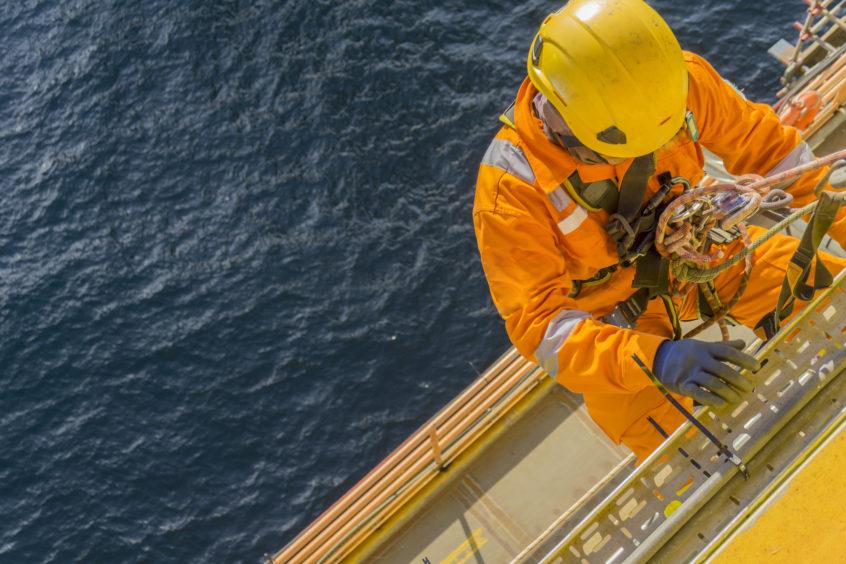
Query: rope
{"x":682,"y":242}
{"x":719,"y":312}
{"x":683,"y":227}
{"x":690,"y":272}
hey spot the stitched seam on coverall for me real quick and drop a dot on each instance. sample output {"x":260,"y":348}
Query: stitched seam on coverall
{"x":497,"y":209}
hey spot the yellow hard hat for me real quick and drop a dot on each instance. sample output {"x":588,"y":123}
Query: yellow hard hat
{"x":615,"y":72}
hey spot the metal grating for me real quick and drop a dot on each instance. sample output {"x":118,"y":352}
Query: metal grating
{"x":661,"y":495}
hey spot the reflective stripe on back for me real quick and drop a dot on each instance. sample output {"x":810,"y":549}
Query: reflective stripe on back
{"x":506,"y":156}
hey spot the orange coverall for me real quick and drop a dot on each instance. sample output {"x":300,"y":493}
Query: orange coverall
{"x":535,"y":240}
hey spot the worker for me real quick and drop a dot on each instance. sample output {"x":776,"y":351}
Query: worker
{"x":612,"y":109}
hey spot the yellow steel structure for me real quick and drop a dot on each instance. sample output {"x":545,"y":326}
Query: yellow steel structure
{"x":806,"y":520}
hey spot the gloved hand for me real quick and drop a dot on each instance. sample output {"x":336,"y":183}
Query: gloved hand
{"x":697,"y":369}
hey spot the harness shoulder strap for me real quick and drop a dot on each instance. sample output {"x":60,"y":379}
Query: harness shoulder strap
{"x":628,"y":223}
{"x":633,"y":187}
{"x":593,"y":196}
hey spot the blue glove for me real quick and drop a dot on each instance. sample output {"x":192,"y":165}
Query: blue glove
{"x":699,"y":370}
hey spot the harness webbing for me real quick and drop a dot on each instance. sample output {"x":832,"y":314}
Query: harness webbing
{"x":632,"y":230}
{"x":795,"y":284}
{"x":632,"y":225}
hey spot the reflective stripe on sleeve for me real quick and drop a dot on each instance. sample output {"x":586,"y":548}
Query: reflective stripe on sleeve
{"x":573,"y":221}
{"x":801,"y":154}
{"x":507,"y":156}
{"x":557,"y":333}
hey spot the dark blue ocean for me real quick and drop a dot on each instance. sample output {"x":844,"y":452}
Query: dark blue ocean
{"x":237,"y":265}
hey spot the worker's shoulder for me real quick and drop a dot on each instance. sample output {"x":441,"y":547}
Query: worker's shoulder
{"x":506,"y":153}
{"x":506,"y":182}
{"x":707,"y":89}
{"x":699,"y":68}
{"x":692,"y":58}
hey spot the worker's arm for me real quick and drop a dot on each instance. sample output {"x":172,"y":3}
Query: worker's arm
{"x":528,"y":279}
{"x":749,"y":137}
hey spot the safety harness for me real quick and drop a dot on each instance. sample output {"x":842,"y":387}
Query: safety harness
{"x":795,"y":285}
{"x":632,"y":226}
{"x":656,"y":237}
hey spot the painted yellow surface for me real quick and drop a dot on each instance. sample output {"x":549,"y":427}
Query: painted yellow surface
{"x":467,"y":549}
{"x":671,"y":508}
{"x":807,"y":523}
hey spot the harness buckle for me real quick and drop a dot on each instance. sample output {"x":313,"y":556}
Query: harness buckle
{"x":620,"y":317}
{"x":626,"y":313}
{"x":640,"y":250}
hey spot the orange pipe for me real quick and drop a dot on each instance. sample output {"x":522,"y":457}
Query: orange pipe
{"x":355,"y":539}
{"x":356,"y":506}
{"x":473,"y":415}
{"x":474,"y":389}
{"x":386,"y":473}
{"x":339,"y":528}
{"x":818,"y":81}
{"x":839,"y":97}
{"x":410,"y":446}
{"x":340,"y":551}
{"x":832,"y":81}
{"x":480,"y":400}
